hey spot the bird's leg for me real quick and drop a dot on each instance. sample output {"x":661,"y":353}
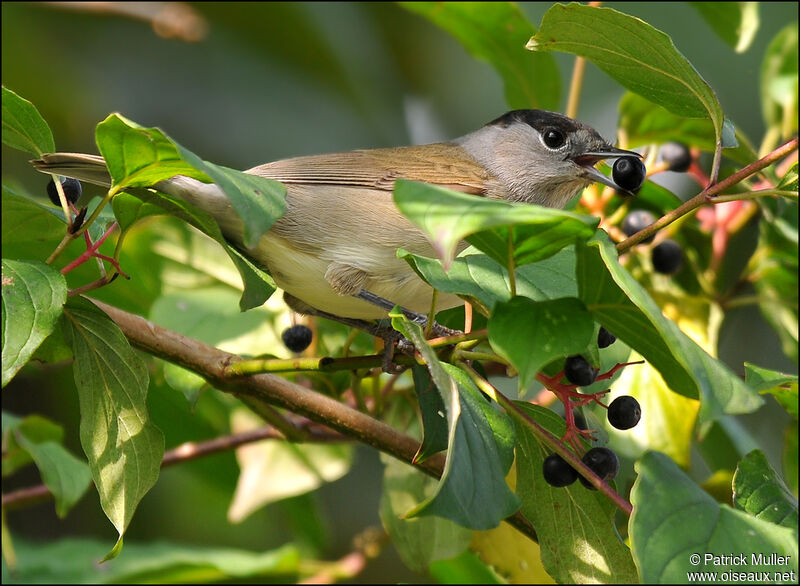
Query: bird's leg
{"x":415,"y":317}
{"x":346,"y":279}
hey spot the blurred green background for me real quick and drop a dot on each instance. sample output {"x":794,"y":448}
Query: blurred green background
{"x":274,"y":80}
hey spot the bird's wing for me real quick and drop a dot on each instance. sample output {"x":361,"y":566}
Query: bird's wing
{"x":380,"y":168}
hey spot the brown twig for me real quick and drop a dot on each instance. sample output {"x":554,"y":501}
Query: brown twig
{"x":706,"y":196}
{"x":212,"y":364}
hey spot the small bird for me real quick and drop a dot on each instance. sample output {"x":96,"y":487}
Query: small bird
{"x":334,"y":250}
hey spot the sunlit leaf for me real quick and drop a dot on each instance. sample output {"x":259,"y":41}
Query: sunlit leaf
{"x":272,"y":470}
{"x":123,"y":446}
{"x":33,"y":298}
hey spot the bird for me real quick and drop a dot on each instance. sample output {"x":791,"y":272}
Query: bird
{"x":333,"y":252}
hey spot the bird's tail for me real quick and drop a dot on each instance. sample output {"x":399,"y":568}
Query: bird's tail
{"x":89,"y":168}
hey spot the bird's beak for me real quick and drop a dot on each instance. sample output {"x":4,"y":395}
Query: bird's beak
{"x":588,"y":160}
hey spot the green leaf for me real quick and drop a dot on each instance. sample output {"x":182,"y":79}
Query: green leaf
{"x":496,"y":32}
{"x":258,"y":201}
{"x":129,"y":209}
{"x":481,"y":280}
{"x":640,"y":57}
{"x":33,"y":298}
{"x":66,"y":476}
{"x":449,"y":216}
{"x":472,"y":490}
{"x":141,"y":157}
{"x":623,"y":306}
{"x":759,"y":491}
{"x":29,"y":229}
{"x":673,"y":518}
{"x":645,"y":123}
{"x":434,"y":418}
{"x":736,"y":23}
{"x":568,"y":519}
{"x":36,"y":428}
{"x":23,"y":126}
{"x":425,"y":539}
{"x":531,"y":334}
{"x":779,"y":72}
{"x":422,"y":540}
{"x":782,"y":386}
{"x":258,"y":285}
{"x":123,"y":446}
{"x":74,"y":561}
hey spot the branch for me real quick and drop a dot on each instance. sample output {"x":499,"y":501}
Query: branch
{"x":212,"y":364}
{"x":708,"y":195}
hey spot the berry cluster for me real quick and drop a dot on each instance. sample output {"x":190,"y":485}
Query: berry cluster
{"x":623,"y":413}
{"x":667,"y":256}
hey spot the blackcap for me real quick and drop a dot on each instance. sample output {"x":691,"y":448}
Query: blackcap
{"x":337,"y":242}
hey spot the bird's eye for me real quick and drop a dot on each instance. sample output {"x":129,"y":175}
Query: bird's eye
{"x":554,"y":139}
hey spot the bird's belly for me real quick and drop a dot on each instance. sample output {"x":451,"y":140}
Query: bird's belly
{"x":302,"y":275}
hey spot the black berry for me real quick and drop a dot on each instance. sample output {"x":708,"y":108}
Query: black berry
{"x":677,"y":156}
{"x":72,"y":190}
{"x":624,"y":412}
{"x":629,"y":173}
{"x":605,"y":338}
{"x":636,"y":221}
{"x":667,"y":257}
{"x":579,"y":372}
{"x":602,"y":462}
{"x":297,"y":338}
{"x":557,"y":472}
